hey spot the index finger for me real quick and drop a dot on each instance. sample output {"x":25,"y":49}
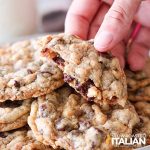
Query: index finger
{"x":80,"y":16}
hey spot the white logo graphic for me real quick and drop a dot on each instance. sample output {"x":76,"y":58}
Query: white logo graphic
{"x":126,"y":140}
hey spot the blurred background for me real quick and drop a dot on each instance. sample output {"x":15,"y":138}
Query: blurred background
{"x":29,"y":18}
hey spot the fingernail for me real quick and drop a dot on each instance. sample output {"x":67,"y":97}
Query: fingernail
{"x":103,"y":40}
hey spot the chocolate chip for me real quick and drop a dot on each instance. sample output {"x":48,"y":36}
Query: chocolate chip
{"x":2,"y":135}
{"x":10,"y":104}
{"x":43,"y":107}
{"x":83,"y":89}
{"x":58,"y":60}
{"x":90,"y":99}
{"x":43,"y":111}
{"x":17,"y":84}
{"x":68,"y":78}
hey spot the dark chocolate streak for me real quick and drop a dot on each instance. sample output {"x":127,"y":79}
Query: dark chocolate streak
{"x":82,"y":88}
{"x":17,"y":84}
{"x":10,"y":104}
{"x":2,"y":135}
{"x":58,"y":60}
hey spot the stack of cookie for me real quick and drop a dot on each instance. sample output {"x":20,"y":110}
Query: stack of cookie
{"x":24,"y":76}
{"x":139,"y":94}
{"x":101,"y":82}
{"x":138,"y":86}
{"x":73,"y":98}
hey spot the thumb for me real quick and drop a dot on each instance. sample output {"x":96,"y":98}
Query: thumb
{"x":116,"y":23}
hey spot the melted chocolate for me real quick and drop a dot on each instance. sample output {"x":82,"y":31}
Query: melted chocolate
{"x":10,"y":104}
{"x":58,"y":60}
{"x":17,"y":84}
{"x":83,"y":88}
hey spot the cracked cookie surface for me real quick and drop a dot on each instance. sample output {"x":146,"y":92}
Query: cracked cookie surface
{"x":97,"y":77}
{"x":24,"y":74}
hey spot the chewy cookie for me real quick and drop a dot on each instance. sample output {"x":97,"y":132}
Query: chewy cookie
{"x":20,"y":139}
{"x":142,"y":108}
{"x":20,"y":122}
{"x":64,"y":119}
{"x":97,"y":77}
{"x":122,"y":120}
{"x":13,"y":114}
{"x":138,"y":86}
{"x":24,"y":74}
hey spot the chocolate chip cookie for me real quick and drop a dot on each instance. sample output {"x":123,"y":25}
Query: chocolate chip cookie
{"x":97,"y":77}
{"x":13,"y":114}
{"x":143,"y":127}
{"x":20,"y":139}
{"x":138,"y":86}
{"x":64,"y":119}
{"x":20,"y":122}
{"x":122,"y":120}
{"x":143,"y":108}
{"x":24,"y":74}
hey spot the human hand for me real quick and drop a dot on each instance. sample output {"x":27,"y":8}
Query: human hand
{"x":85,"y":17}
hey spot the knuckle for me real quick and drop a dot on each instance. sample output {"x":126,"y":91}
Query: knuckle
{"x":118,"y":13}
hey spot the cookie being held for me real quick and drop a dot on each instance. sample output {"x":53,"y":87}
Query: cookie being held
{"x":97,"y":77}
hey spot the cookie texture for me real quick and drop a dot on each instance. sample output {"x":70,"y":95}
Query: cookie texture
{"x":143,"y":126}
{"x":13,"y":114}
{"x":143,"y":108}
{"x":21,"y":139}
{"x":64,"y":119}
{"x":12,"y":110}
{"x":20,"y":122}
{"x":122,"y":120}
{"x":97,"y":77}
{"x":138,"y":86}
{"x":24,"y":74}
